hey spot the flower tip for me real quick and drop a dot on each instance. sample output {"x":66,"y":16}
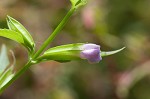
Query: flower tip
{"x":103,"y":53}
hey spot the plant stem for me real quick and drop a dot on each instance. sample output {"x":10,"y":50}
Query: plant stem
{"x":44,"y":45}
{"x":53,"y":35}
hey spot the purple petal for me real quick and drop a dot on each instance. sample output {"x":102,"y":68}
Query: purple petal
{"x":90,"y":46}
{"x":92,"y":55}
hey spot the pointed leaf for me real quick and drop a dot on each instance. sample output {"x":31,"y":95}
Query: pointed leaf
{"x":18,"y":27}
{"x":10,"y":34}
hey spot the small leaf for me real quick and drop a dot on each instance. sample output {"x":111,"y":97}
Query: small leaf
{"x":10,"y":34}
{"x":4,"y":61}
{"x":111,"y":52}
{"x":18,"y":27}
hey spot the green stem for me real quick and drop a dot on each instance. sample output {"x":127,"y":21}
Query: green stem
{"x":44,"y":45}
{"x":53,"y":35}
{"x":16,"y":76}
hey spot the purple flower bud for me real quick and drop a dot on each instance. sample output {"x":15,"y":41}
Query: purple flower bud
{"x":91,"y":52}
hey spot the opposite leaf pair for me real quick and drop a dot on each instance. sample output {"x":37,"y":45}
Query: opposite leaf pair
{"x":14,"y":25}
{"x":18,"y":33}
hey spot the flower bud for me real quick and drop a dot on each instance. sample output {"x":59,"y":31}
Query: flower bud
{"x":91,"y":52}
{"x":77,"y":51}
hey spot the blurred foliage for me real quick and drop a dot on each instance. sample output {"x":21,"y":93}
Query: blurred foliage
{"x":110,"y":23}
{"x":6,"y":69}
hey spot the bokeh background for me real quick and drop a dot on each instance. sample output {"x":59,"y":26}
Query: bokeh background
{"x":110,"y":23}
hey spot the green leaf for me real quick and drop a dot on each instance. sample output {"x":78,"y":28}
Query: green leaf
{"x":10,"y":34}
{"x":103,"y":53}
{"x":4,"y":60}
{"x":18,"y":27}
{"x":62,"y":53}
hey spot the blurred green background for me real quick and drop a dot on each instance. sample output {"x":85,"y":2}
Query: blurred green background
{"x":110,"y":23}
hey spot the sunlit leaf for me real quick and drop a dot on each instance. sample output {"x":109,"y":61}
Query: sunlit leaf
{"x":18,"y":27}
{"x":10,"y":34}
